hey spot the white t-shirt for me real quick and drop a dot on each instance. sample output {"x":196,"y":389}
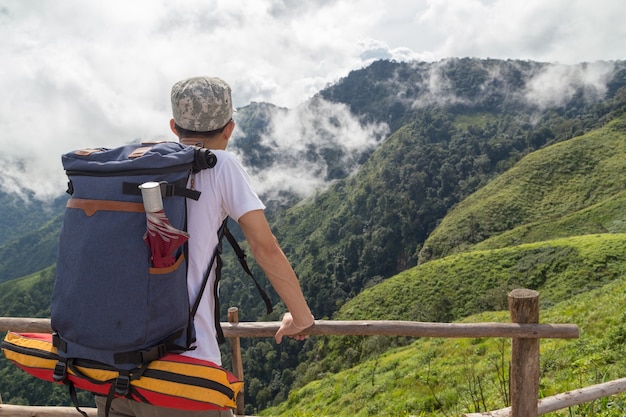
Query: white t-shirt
{"x":225,"y":191}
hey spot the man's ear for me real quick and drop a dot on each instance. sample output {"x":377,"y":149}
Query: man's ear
{"x":173,"y":127}
{"x":228,"y":129}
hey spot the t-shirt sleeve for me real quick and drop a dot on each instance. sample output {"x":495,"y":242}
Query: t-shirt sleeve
{"x":238,"y":195}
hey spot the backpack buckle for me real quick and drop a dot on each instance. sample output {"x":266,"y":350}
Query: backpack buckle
{"x":167,"y":189}
{"x":60,"y":371}
{"x":122,"y":385}
{"x":154,"y":353}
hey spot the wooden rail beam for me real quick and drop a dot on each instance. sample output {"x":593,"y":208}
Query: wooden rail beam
{"x":565,"y":399}
{"x":361,"y":328}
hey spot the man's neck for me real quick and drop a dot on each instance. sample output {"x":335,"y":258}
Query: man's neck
{"x":204,"y":143}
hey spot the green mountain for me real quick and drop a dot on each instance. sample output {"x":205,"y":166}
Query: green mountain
{"x":28,"y":234}
{"x":32,"y":251}
{"x":570,"y":246}
{"x":368,"y":227}
{"x":23,"y":214}
{"x":373,"y":225}
{"x":457,"y":127}
{"x":551,"y":193}
{"x":28,"y":296}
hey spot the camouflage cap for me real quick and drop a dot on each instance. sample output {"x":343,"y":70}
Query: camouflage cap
{"x":201,"y":104}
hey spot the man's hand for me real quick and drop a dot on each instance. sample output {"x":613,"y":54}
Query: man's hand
{"x":288,"y":328}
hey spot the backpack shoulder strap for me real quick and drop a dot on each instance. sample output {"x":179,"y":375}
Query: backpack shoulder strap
{"x":215,"y":257}
{"x":244,"y":264}
{"x":217,"y":260}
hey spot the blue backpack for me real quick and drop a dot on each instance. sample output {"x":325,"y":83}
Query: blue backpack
{"x":109,"y":303}
{"x":113,"y":307}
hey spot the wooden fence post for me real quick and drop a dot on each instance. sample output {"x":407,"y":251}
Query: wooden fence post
{"x":524,"y":308}
{"x":235,"y":355}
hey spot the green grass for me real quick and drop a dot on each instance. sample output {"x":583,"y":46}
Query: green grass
{"x":607,"y":216}
{"x":476,"y":281}
{"x":447,"y":377}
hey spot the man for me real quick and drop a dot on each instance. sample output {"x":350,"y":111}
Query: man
{"x":202,"y":116}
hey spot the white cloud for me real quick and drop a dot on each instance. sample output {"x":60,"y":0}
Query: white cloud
{"x":557,"y":84}
{"x":566,"y":31}
{"x":309,"y":141}
{"x":78,"y":73}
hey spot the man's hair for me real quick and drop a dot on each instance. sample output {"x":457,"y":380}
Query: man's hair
{"x":184,"y":133}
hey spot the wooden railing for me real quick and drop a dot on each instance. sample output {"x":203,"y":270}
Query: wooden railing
{"x":524,"y":330}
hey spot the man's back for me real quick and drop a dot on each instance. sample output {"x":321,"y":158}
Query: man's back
{"x":225,"y":191}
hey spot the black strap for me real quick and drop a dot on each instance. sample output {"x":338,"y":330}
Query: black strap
{"x":74,"y":397}
{"x":141,"y":398}
{"x":58,"y":343}
{"x":167,"y":190}
{"x":242,"y":260}
{"x":153,"y":353}
{"x":218,"y":277}
{"x":110,"y":398}
{"x":205,"y":280}
{"x":60,"y":375}
{"x":216,"y":259}
{"x":216,"y":255}
{"x":122,"y":383}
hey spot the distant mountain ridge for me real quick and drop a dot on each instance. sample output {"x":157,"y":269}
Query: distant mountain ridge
{"x":429,"y":103}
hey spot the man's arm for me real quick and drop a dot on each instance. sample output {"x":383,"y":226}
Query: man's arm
{"x":270,"y":257}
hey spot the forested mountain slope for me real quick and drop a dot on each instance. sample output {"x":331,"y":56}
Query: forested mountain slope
{"x":366,"y":228}
{"x":34,"y":250}
{"x":28,"y":234}
{"x":574,"y":217}
{"x":22,"y":214}
{"x":551,"y":193}
{"x":372,"y":225}
{"x":557,"y":184}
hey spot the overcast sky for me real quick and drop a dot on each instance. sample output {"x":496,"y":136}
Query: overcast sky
{"x":77,"y":73}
